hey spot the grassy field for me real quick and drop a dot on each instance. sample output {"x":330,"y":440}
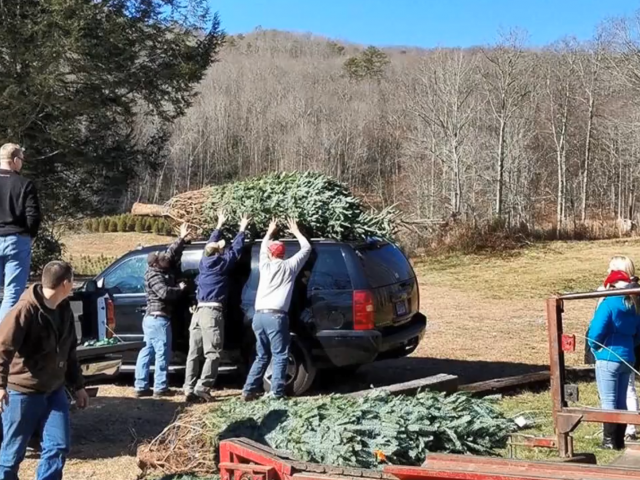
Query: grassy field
{"x":486,"y":320}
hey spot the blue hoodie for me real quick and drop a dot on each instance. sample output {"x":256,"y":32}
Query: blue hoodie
{"x":617,"y":326}
{"x":213,"y":277}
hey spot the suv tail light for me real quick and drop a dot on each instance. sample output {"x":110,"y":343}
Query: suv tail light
{"x":363,"y":310}
{"x":111,"y":318}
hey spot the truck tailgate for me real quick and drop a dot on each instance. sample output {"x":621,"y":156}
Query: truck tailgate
{"x":86,"y":353}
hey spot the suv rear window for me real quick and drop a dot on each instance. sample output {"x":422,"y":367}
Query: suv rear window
{"x":384,"y":264}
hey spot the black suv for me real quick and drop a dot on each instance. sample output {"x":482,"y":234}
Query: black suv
{"x":352,"y":304}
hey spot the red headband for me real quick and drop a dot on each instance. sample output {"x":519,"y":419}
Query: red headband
{"x":617,"y":276}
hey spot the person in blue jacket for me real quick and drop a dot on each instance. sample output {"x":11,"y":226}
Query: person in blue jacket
{"x":206,"y":332}
{"x":613,"y":335}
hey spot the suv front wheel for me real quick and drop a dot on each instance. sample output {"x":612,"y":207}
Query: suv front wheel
{"x":300,"y":371}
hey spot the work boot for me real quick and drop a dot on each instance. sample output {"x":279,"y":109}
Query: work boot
{"x":250,"y":396}
{"x":204,"y":395}
{"x":143,"y":393}
{"x":619,"y":437}
{"x":609,"y":431}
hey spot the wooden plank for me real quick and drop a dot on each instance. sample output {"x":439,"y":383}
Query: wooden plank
{"x":441,"y":383}
{"x":507,"y":382}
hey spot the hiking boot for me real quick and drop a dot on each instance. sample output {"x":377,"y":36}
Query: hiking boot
{"x":163,"y":394}
{"x":609,"y":431}
{"x":143,"y":393}
{"x":203,"y":395}
{"x":250,"y":396}
{"x":191,"y":398}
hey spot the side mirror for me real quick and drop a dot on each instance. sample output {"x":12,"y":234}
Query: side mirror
{"x":100,"y":283}
{"x":91,"y":286}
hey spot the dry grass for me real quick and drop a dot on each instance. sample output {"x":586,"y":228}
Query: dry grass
{"x":109,"y":244}
{"x":486,"y":319}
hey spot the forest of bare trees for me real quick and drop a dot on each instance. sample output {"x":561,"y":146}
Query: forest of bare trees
{"x":537,"y":137}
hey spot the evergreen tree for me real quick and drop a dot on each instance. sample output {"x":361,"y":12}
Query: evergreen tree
{"x":103,"y":227}
{"x":122,"y":224}
{"x":131,"y":223}
{"x":95,"y":225}
{"x":75,"y":77}
{"x":139,"y":225}
{"x":113,"y":225}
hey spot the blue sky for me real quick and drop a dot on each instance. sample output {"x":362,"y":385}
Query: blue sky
{"x":424,"y":23}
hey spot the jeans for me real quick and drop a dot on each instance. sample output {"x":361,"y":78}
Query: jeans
{"x":27,"y":414}
{"x":613,"y":380}
{"x":272,"y":339}
{"x":632,"y":401}
{"x":157,"y":338}
{"x":206,"y":336}
{"x":15,"y":262}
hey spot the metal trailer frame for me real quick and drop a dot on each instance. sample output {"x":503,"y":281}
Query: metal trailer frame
{"x":242,"y":459}
{"x":566,"y":419}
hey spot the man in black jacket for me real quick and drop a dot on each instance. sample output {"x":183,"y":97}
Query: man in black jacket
{"x":162,"y":294}
{"x":19,"y":224}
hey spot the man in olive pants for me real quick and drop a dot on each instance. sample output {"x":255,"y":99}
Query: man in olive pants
{"x":206,"y":332}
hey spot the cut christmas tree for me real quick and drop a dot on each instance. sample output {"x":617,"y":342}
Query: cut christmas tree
{"x":324,"y":207}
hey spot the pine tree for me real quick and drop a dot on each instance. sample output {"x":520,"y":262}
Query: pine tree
{"x":102,"y":226}
{"x":139,"y":228}
{"x":113,"y":225}
{"x":95,"y":225}
{"x":122,"y":224}
{"x":131,"y":223}
{"x":81,"y":96}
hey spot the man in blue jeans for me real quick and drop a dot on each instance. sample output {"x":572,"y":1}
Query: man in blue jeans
{"x":19,"y":224}
{"x":37,"y":358}
{"x":162,"y":293}
{"x":271,"y":318}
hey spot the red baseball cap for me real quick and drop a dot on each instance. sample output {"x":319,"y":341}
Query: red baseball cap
{"x":276,"y":249}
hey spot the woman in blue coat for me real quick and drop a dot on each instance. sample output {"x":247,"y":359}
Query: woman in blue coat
{"x":613,"y":335}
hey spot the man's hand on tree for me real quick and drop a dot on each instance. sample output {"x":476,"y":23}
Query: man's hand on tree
{"x":222,"y":219}
{"x":184,"y":231}
{"x":244,"y":222}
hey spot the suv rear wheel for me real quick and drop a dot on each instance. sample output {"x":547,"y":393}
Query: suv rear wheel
{"x":300,"y":372}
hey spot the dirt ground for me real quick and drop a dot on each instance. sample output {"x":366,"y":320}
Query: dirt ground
{"x":486,"y":320}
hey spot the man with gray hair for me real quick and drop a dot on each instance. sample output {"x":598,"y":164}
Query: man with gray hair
{"x":19,"y":224}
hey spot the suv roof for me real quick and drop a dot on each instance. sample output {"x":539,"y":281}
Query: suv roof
{"x":202,"y":243}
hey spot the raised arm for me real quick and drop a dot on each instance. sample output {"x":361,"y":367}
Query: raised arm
{"x":264,"y":248}
{"x":216,"y":235}
{"x":296,"y":262}
{"x":232,"y":254}
{"x":176,"y":248}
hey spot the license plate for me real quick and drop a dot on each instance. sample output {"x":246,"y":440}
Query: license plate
{"x":401,"y":308}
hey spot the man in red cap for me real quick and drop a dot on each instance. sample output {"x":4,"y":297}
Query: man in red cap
{"x":271,"y":318}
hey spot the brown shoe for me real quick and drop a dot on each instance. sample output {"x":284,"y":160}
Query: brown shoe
{"x":143,"y":393}
{"x":250,"y":396}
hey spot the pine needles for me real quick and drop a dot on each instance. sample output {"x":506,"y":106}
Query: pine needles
{"x":346,"y":431}
{"x":324,"y":207}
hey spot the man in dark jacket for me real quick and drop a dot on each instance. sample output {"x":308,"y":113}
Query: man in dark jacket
{"x":19,"y":224}
{"x":162,"y":294}
{"x":37,"y":358}
{"x":206,"y":332}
